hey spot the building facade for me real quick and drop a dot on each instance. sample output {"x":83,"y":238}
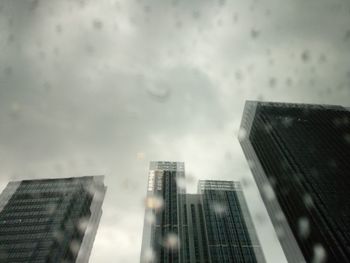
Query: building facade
{"x":50,"y":220}
{"x":212,"y":226}
{"x":299,"y":155}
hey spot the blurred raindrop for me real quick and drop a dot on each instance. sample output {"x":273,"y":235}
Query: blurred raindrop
{"x":222,"y":2}
{"x":260,"y":218}
{"x":149,"y":256}
{"x":140,"y":155}
{"x":196,"y":14}
{"x":218,"y":208}
{"x":320,"y":254}
{"x":287,"y":122}
{"x":150,"y":217}
{"x":268,"y":192}
{"x":160,"y":93}
{"x":8,"y":71}
{"x":305,"y":55}
{"x":347,"y":138}
{"x":97,"y":24}
{"x":347,"y":35}
{"x":303,"y":227}
{"x":171,"y":241}
{"x":58,"y":29}
{"x":251,"y":163}
{"x":181,"y":182}
{"x":74,"y":247}
{"x":242,"y":134}
{"x":309,"y":203}
{"x":82,"y":224}
{"x":154,"y":202}
{"x":15,"y":111}
{"x":272,"y":82}
{"x":254,"y":33}
{"x":280,"y":232}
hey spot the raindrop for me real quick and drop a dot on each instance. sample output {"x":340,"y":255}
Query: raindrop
{"x":272,"y":82}
{"x":289,"y":82}
{"x":83,"y":224}
{"x":309,"y":203}
{"x":235,"y":18}
{"x":90,"y":49}
{"x":74,"y":246}
{"x":287,"y":122}
{"x":320,"y":254}
{"x":280,"y":232}
{"x":159,"y":93}
{"x":347,"y":35}
{"x":347,"y":138}
{"x":58,"y":29}
{"x":305,"y":55}
{"x":268,"y":128}
{"x":280,"y":216}
{"x":222,"y":2}
{"x":147,"y":9}
{"x":322,"y":58}
{"x":260,"y":218}
{"x":268,"y":192}
{"x":97,"y":24}
{"x":154,"y":202}
{"x":242,"y":134}
{"x":150,"y":217}
{"x":181,"y":182}
{"x":303,"y":227}
{"x":254,"y":33}
{"x":148,"y":256}
{"x":171,"y":241}
{"x":8,"y":71}
{"x":140,"y":155}
{"x":196,"y":14}
{"x":246,"y":182}
{"x":251,"y":164}
{"x":15,"y":111}
{"x":218,"y":208}
{"x":239,"y":76}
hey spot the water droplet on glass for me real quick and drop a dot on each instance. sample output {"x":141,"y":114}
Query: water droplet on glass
{"x":148,"y":256}
{"x":268,"y":192}
{"x":218,"y":208}
{"x":158,"y":92}
{"x":181,"y":182}
{"x":150,"y":217}
{"x":171,"y":241}
{"x":305,"y":56}
{"x":309,"y":203}
{"x":242,"y":134}
{"x":320,"y":254}
{"x":74,"y":247}
{"x":303,"y":227}
{"x":97,"y":24}
{"x":347,"y":138}
{"x":154,"y":202}
{"x":254,"y":33}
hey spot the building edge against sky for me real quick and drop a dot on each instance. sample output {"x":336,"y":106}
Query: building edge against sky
{"x":194,"y":214}
{"x":45,"y":205}
{"x":299,"y":157}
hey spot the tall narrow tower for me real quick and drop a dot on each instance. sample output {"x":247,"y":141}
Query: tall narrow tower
{"x":50,"y":220}
{"x":299,"y":155}
{"x":162,"y":230}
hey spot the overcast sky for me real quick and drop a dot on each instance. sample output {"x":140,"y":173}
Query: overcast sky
{"x":104,"y":87}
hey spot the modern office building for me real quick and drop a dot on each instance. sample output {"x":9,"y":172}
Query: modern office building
{"x":212,"y":226}
{"x":299,"y":155}
{"x":50,"y":220}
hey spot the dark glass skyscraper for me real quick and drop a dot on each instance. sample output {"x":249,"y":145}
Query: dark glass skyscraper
{"x":299,"y":155}
{"x":213,"y":226}
{"x":50,"y":220}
